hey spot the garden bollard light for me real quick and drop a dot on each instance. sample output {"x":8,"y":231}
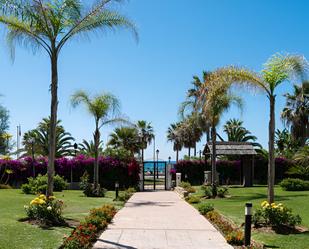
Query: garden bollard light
{"x":248,"y":219}
{"x":117,"y":189}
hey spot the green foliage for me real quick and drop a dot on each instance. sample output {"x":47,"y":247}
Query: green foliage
{"x":126,"y":195}
{"x":89,"y":189}
{"x":119,"y":153}
{"x":106,"y":212}
{"x":207,"y":191}
{"x":45,"y":210}
{"x":222,"y":191}
{"x":235,"y":238}
{"x":81,"y":238}
{"x":294,"y":184}
{"x":88,"y":148}
{"x":39,"y":184}
{"x":187,"y":187}
{"x":275,"y":215}
{"x":5,"y":146}
{"x":286,"y":146}
{"x":193,"y":199}
{"x":205,"y":207}
{"x":38,"y":140}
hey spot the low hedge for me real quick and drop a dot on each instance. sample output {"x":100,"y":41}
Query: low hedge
{"x":294,"y":184}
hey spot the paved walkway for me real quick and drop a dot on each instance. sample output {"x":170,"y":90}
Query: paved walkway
{"x":160,"y":220}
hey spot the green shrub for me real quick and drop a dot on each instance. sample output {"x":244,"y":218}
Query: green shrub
{"x":89,"y":189}
{"x":193,"y":199}
{"x":39,"y":184}
{"x":235,"y":238}
{"x":5,"y":186}
{"x":275,"y":215}
{"x":294,"y":184}
{"x":222,"y":191}
{"x":96,"y":221}
{"x":106,"y":212}
{"x":184,"y":185}
{"x":45,"y":210}
{"x":204,"y":208}
{"x":207,"y":191}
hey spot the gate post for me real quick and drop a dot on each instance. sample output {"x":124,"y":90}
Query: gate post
{"x":178,"y":179}
{"x":168,"y":176}
{"x":141,"y":177}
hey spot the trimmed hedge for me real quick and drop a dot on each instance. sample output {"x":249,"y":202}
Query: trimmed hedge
{"x":294,"y":184}
{"x":230,"y":171}
{"x":111,"y":170}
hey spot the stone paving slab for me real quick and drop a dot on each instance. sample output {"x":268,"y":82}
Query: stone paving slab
{"x":160,"y":220}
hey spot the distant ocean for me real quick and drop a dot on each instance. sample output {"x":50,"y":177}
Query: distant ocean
{"x":148,"y":166}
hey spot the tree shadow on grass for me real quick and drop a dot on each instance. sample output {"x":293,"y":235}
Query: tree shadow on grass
{"x":255,"y":196}
{"x":68,"y":223}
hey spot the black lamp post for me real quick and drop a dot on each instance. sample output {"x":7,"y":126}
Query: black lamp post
{"x":157,"y":151}
{"x":248,"y":220}
{"x":116,"y":189}
{"x":75,"y":152}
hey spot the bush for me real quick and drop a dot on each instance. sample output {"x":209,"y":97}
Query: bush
{"x":222,"y":191}
{"x":81,"y":238}
{"x":5,"y":186}
{"x":235,"y":238}
{"x":187,"y":187}
{"x":126,"y":195}
{"x":204,"y":208}
{"x":106,"y":212}
{"x":89,"y":189}
{"x":45,"y":210}
{"x":193,"y":199}
{"x":207,"y":191}
{"x":275,"y":215}
{"x":39,"y":184}
{"x":294,"y":184}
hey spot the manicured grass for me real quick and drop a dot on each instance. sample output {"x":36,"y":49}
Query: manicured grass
{"x":233,"y":208}
{"x":16,"y":235}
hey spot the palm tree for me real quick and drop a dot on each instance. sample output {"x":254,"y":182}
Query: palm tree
{"x":215,"y":98}
{"x":49,"y":25}
{"x":236,"y":132}
{"x":191,"y":104}
{"x":146,"y":133}
{"x":88,"y":148}
{"x":38,"y":140}
{"x":278,"y":69}
{"x":296,"y":112}
{"x":285,"y":144}
{"x":173,"y":136}
{"x":104,"y":108}
{"x":127,"y":138}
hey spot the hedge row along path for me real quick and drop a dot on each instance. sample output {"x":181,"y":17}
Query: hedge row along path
{"x":160,"y":220}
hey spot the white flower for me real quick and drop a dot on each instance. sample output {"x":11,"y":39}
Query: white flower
{"x":49,"y":208}
{"x":26,"y":207}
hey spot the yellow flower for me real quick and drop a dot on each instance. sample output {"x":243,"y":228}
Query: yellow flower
{"x":52,"y":197}
{"x":273,"y":205}
{"x":37,"y":201}
{"x":264,"y":203}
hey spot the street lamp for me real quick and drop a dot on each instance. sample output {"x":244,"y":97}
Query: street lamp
{"x":75,"y":151}
{"x":157,"y":151}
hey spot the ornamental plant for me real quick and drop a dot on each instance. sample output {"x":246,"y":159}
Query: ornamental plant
{"x":81,"y":238}
{"x":45,"y":210}
{"x":275,"y":215}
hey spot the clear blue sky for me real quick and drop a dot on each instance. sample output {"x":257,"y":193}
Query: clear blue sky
{"x":178,"y":39}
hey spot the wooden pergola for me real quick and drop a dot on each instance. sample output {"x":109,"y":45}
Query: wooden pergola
{"x":244,"y":150}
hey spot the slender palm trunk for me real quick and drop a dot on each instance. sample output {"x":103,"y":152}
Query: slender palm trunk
{"x":53,"y":123}
{"x":96,"y":137}
{"x":213,"y":160}
{"x":195,"y":149}
{"x":142,"y":154}
{"x":177,"y":155}
{"x":189,"y":152}
{"x":271,"y":159}
{"x":207,"y":135}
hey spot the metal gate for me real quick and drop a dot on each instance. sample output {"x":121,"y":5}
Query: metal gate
{"x":154,"y":175}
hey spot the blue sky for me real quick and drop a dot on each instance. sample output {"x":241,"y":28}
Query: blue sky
{"x":178,"y":39}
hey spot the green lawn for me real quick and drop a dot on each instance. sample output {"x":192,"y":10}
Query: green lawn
{"x":16,"y":235}
{"x":233,"y":208}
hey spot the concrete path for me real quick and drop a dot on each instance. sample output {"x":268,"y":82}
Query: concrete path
{"x":160,"y":220}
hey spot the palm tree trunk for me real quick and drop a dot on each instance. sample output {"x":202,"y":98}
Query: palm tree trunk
{"x":96,"y":137}
{"x":213,"y":161}
{"x":53,"y":123}
{"x":142,"y":154}
{"x":195,"y":149}
{"x":271,"y":159}
{"x":177,"y":155}
{"x":189,"y":152}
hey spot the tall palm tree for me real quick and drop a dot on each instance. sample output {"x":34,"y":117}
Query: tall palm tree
{"x":104,"y":108}
{"x":296,"y":112}
{"x":174,"y":136}
{"x":278,"y":69}
{"x":215,"y":99}
{"x":127,"y":138}
{"x":146,"y":133}
{"x":49,"y":25}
